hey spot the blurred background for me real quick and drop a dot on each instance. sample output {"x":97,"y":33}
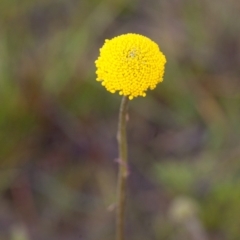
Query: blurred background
{"x":58,"y":125}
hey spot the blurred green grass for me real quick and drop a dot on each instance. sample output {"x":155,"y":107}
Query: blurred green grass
{"x":58,"y":125}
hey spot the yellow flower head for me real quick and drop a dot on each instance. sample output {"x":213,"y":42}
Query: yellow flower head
{"x":130,"y":64}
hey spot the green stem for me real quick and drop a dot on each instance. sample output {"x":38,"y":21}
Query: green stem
{"x":123,"y":169}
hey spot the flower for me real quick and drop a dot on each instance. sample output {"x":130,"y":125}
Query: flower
{"x":131,"y":64}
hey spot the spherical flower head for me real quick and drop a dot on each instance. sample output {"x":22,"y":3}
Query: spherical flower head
{"x":131,"y":64}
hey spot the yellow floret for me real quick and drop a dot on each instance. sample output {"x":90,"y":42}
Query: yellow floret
{"x":130,"y":64}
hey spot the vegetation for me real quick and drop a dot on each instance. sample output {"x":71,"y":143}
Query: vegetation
{"x":58,"y":126}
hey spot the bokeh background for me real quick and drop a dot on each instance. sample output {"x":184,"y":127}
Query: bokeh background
{"x":58,"y":125}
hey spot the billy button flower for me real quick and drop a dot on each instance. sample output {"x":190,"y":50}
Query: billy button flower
{"x":131,"y":64}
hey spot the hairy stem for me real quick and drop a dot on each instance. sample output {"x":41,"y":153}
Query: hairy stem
{"x":123,"y":169}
